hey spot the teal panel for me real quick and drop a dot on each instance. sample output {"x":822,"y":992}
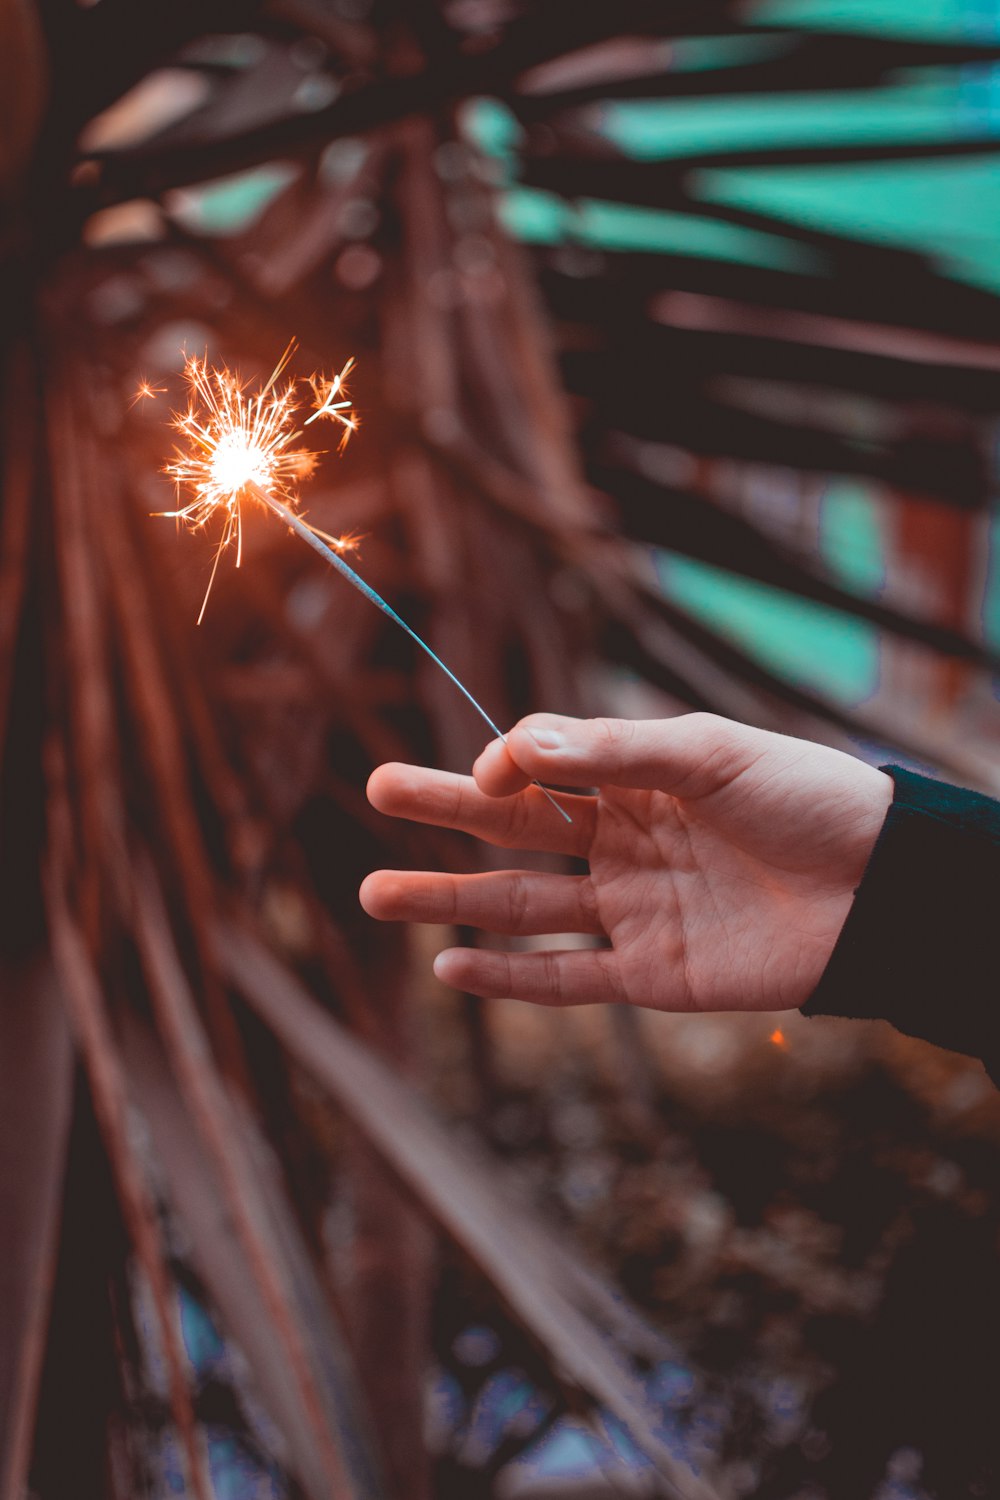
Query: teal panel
{"x":991,"y":598}
{"x":807,"y":644}
{"x":929,"y":105}
{"x":539,"y":218}
{"x":949,"y":209}
{"x":543,"y":218}
{"x":700,"y":54}
{"x":850,"y":537}
{"x":905,"y":18}
{"x":491,"y":126}
{"x":232,"y":204}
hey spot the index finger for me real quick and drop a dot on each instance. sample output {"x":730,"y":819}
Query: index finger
{"x":526,"y":821}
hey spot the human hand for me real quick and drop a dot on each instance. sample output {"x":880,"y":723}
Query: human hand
{"x":722,"y":860}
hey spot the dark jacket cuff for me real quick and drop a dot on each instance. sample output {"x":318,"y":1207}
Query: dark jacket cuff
{"x":919,"y":945}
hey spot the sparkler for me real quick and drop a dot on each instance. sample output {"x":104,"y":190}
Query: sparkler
{"x":239,"y":446}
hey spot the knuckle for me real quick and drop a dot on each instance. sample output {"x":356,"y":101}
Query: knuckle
{"x":456,"y":802}
{"x":520,"y":813}
{"x":518,"y":902}
{"x":720,"y":744}
{"x":726,"y":736}
{"x":551,"y":976}
{"x":447,"y":902}
{"x":700,"y":722}
{"x":588,"y":903}
{"x":500,"y":977}
{"x":716,"y":735}
{"x":612,"y":734}
{"x":617,"y":993}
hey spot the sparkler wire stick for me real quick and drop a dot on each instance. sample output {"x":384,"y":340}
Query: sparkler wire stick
{"x":303,"y":530}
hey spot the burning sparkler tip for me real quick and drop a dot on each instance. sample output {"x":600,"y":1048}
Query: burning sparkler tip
{"x":238,"y":444}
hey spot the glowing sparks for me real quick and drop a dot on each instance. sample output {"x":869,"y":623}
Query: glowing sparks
{"x":238,"y":444}
{"x":326,"y":393}
{"x":349,"y":542}
{"x":146,"y":392}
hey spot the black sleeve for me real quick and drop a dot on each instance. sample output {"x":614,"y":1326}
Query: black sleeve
{"x":919,"y":947}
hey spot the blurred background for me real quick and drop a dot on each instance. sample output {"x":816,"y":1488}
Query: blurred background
{"x":678,"y":342}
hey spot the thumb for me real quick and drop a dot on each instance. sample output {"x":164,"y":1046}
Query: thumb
{"x":689,"y":756}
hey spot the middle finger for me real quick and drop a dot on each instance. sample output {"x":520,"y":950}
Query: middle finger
{"x":517,"y":902}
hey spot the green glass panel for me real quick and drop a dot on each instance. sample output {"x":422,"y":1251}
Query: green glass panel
{"x":950,"y":209}
{"x":231,"y":204}
{"x":908,"y":18}
{"x":927,"y":106}
{"x":491,"y":126}
{"x":850,"y":538}
{"x":539,"y":218}
{"x":700,"y":54}
{"x":543,"y":218}
{"x":991,"y":600}
{"x":808,"y":644}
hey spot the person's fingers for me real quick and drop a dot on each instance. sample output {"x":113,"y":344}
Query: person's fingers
{"x":527,"y":821}
{"x":497,"y":773}
{"x":518,"y":902}
{"x":574,"y":977}
{"x":692,"y":755}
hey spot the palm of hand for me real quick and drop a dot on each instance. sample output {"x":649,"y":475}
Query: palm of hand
{"x":698,"y":922}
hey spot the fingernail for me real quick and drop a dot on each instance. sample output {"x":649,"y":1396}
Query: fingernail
{"x":548,"y":739}
{"x":441,"y":965}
